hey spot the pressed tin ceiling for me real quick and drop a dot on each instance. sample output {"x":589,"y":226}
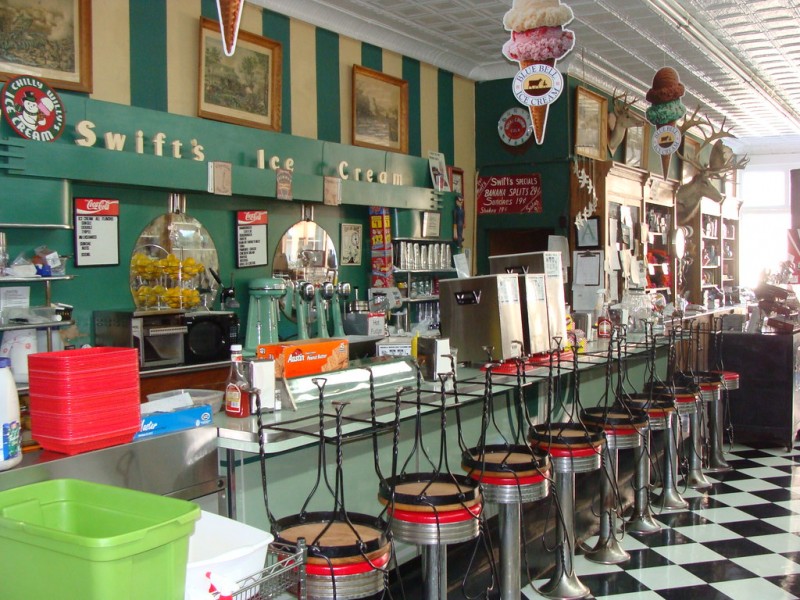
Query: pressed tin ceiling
{"x":739,"y":59}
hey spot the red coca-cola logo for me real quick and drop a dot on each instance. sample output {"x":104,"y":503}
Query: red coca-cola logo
{"x":98,"y":205}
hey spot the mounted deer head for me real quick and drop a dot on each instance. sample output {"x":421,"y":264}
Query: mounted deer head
{"x":620,"y":120}
{"x":721,"y":161}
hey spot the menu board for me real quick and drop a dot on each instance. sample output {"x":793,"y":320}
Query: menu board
{"x":96,"y":223}
{"x":509,"y":194}
{"x":251,"y":238}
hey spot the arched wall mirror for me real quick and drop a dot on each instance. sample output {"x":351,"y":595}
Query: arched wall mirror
{"x":306,"y":252}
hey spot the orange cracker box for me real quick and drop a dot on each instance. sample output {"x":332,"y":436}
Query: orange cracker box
{"x":306,"y":357}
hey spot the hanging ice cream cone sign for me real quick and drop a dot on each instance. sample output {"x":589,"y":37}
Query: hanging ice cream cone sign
{"x":538,"y":41}
{"x":664,"y":111}
{"x":230,"y":15}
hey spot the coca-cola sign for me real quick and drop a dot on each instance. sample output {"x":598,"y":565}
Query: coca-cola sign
{"x":102,"y":207}
{"x":252,"y":217}
{"x":510,"y":194}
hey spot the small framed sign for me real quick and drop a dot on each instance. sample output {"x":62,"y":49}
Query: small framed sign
{"x":96,"y":223}
{"x":251,"y":238}
{"x":431,"y":223}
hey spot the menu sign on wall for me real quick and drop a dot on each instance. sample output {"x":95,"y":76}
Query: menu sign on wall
{"x":510,"y":194}
{"x":251,"y":238}
{"x":96,"y":232}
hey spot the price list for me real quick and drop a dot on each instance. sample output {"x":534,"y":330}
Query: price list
{"x":96,"y":232}
{"x":251,"y":238}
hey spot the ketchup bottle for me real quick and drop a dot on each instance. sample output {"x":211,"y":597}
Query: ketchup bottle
{"x":237,"y":390}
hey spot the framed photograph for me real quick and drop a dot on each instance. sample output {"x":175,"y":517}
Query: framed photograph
{"x":49,"y":39}
{"x":588,"y":236}
{"x":351,"y":244}
{"x":636,"y":146}
{"x":591,"y":123}
{"x":431,"y":224}
{"x":245,"y":88}
{"x":380,"y":110}
{"x":690,"y":149}
{"x":456,"y":177}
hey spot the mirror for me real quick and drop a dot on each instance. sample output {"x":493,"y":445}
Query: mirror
{"x":306,"y":253}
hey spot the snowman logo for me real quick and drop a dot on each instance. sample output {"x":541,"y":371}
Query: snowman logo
{"x":32,"y":109}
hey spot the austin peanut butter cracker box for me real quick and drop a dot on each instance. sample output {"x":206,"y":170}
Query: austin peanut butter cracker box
{"x":306,"y":357}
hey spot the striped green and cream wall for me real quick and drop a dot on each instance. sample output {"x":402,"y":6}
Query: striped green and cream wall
{"x":145,"y":53}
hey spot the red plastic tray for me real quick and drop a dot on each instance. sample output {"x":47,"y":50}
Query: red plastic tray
{"x":82,"y":360}
{"x":79,"y":387}
{"x":78,"y":445}
{"x":77,"y":427}
{"x":83,"y":404}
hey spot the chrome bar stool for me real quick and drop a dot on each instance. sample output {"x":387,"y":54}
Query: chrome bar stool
{"x":509,"y":474}
{"x":573,"y":448}
{"x":711,"y":393}
{"x":623,"y":431}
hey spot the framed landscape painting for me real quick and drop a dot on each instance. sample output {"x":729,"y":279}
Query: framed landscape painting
{"x":380,"y":110}
{"x":245,"y":88}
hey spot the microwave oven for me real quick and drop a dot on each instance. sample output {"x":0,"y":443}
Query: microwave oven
{"x":158,"y":335}
{"x":209,"y":336}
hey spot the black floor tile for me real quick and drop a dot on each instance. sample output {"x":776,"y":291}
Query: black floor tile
{"x":665,"y":537}
{"x":785,"y":468}
{"x":681,"y":519}
{"x":783,"y":482}
{"x":751,"y":528}
{"x":734,"y":475}
{"x":718,"y":570}
{"x":766,"y":510}
{"x":696,"y":592}
{"x":721,"y":488}
{"x":642,"y":559}
{"x":701,"y":502}
{"x":795,"y":556}
{"x":789,"y":583}
{"x":751,"y":454}
{"x":613,"y":583}
{"x":736,"y":548}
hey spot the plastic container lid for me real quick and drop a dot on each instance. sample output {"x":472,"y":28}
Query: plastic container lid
{"x":5,"y":362}
{"x":236,"y":347}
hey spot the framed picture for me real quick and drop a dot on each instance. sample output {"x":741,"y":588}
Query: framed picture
{"x":591,"y":122}
{"x":636,"y":147}
{"x":588,"y":236}
{"x":245,"y":88}
{"x":690,"y":149}
{"x":380,"y":110}
{"x":49,"y":39}
{"x":351,"y":244}
{"x":431,"y":224}
{"x":456,"y":180}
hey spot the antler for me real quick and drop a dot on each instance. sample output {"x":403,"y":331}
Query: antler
{"x":691,"y":121}
{"x":621,"y":103}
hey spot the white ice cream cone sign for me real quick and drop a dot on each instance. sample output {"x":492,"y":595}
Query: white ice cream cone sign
{"x":538,"y":41}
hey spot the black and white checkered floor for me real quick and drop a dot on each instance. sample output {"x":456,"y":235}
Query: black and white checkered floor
{"x":740,"y":540}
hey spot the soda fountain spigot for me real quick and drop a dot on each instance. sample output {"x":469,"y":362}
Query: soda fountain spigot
{"x":342,"y":293}
{"x":322,"y":297}
{"x":305,"y":294}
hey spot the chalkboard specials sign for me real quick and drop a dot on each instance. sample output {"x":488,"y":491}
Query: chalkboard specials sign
{"x":96,"y":232}
{"x":509,"y":194}
{"x":251,"y":238}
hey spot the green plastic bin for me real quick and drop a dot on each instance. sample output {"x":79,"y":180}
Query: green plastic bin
{"x":75,"y":540}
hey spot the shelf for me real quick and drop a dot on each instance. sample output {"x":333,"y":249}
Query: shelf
{"x":730,"y":239}
{"x":34,"y":279}
{"x":48,"y":325}
{"x":427,"y":240}
{"x":710,"y":237}
{"x":448,"y":270}
{"x":710,"y":266}
{"x":420,"y":299}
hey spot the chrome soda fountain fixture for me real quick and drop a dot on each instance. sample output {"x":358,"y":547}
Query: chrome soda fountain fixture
{"x":305,"y":294}
{"x":342,"y":293}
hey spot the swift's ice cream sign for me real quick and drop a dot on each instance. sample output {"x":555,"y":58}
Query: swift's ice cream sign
{"x":32,"y":109}
{"x":510,"y":194}
{"x":159,"y":144}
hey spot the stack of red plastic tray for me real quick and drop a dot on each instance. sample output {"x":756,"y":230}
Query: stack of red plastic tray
{"x":84,"y":399}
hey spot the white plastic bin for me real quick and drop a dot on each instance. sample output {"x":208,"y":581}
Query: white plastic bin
{"x":225,"y":547}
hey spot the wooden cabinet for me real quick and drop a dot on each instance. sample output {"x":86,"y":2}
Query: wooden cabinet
{"x":659,"y":226}
{"x":711,"y":265}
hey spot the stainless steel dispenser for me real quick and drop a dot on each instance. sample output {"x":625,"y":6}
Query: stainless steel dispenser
{"x":549,"y":264}
{"x":482,"y":311}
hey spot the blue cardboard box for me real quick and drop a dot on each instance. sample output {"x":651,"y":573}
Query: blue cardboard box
{"x":169,"y":422}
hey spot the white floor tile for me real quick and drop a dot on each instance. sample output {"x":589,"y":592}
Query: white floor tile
{"x":708,"y":533}
{"x":747,"y":589}
{"x":727,"y":514}
{"x":762,"y":472}
{"x":584,"y":566}
{"x":684,"y":554}
{"x":774,"y":461}
{"x":780,"y":451}
{"x":690,"y":493}
{"x":660,"y":578}
{"x":768,"y":565}
{"x":739,"y":499}
{"x":752,"y":485}
{"x":790,"y":523}
{"x":649,"y":595}
{"x":779,"y":542}
{"x":630,"y":543}
{"x":792,"y":505}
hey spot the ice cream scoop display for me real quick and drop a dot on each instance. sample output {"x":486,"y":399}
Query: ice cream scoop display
{"x":538,"y":41}
{"x":230,"y":15}
{"x":664,"y":111}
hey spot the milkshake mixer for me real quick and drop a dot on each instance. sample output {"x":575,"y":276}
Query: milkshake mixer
{"x":323,"y":294}
{"x":262,"y":313}
{"x":305,"y":294}
{"x":342,"y":292}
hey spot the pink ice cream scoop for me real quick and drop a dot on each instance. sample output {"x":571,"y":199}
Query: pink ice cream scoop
{"x":539,"y":44}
